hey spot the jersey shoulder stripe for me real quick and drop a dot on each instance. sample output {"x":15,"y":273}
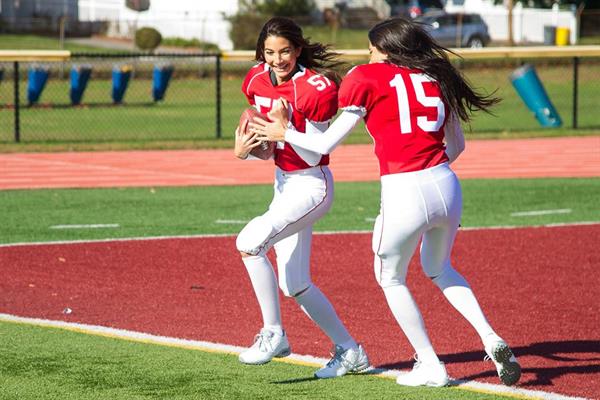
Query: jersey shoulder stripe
{"x":255,"y":72}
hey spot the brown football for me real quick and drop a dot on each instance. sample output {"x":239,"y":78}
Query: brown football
{"x":266,"y":149}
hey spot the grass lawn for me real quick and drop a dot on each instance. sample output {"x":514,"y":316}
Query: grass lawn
{"x":37,"y":42}
{"x":186,"y":118}
{"x":589,"y":40}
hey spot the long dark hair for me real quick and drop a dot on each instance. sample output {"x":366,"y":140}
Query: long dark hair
{"x":315,"y":56}
{"x":407,"y":44}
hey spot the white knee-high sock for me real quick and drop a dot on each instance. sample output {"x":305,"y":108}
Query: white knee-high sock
{"x":409,"y":318}
{"x":318,"y":308}
{"x":459,"y":294}
{"x":265,"y":287}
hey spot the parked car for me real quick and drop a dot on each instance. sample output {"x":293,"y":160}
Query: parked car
{"x":414,"y":8}
{"x":456,"y":30}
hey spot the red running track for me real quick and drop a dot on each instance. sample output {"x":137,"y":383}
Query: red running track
{"x":538,"y":287}
{"x":548,"y":157}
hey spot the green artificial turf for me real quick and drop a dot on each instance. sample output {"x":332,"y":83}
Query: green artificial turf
{"x":41,"y":363}
{"x":28,"y":215}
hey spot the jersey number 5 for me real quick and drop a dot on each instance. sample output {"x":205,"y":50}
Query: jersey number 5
{"x":320,"y":82}
{"x":417,"y":81}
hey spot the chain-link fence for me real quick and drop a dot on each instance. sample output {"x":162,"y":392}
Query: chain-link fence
{"x":96,"y":97}
{"x":171,"y":97}
{"x":572,"y":85}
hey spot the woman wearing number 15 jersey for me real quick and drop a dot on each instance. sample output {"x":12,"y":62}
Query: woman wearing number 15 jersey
{"x":411,"y":98}
{"x":303,"y":193}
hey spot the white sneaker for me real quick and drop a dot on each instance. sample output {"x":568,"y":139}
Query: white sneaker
{"x":506,"y":363}
{"x":266,"y":345}
{"x":425,"y":375}
{"x":344,"y":361}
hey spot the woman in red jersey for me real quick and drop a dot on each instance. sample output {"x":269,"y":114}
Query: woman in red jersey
{"x":412,"y":100}
{"x":303,"y":193}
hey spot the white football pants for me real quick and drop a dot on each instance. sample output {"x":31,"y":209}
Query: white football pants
{"x":300,"y":199}
{"x":423,"y":205}
{"x":427,"y":204}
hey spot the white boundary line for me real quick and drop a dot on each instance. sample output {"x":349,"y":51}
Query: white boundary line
{"x":84,"y":226}
{"x":216,"y":235}
{"x":297,"y":359}
{"x":534,"y":213}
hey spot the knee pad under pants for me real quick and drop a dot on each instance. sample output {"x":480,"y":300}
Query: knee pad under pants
{"x":300,"y":200}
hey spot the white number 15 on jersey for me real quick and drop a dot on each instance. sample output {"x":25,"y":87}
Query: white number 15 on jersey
{"x":417,"y":81}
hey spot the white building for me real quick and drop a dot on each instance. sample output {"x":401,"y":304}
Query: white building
{"x":188,"y":19}
{"x":201,"y":19}
{"x":528,"y":23}
{"x":205,"y":19}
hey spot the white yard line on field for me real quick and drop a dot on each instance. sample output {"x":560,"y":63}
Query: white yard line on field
{"x":540,"y":212}
{"x":296,"y":359}
{"x":232,"y":235}
{"x":85,"y":226}
{"x":231,"y":221}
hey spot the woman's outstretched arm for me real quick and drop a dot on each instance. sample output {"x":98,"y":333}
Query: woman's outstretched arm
{"x":322,"y":143}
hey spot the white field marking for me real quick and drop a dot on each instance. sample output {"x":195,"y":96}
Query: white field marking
{"x":540,"y":212}
{"x":85,"y":226}
{"x":296,"y":359}
{"x":370,"y":219}
{"x":231,"y":221}
{"x":232,"y":235}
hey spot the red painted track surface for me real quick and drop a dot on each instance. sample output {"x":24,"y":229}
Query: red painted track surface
{"x":555,"y":157}
{"x":540,"y":294}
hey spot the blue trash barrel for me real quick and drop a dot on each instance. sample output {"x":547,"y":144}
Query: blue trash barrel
{"x":79,"y":79}
{"x":160,"y":80}
{"x":37,"y":76}
{"x":530,"y":88}
{"x":120,"y":80}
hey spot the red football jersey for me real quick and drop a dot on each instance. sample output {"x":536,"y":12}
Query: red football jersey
{"x":405,"y":115}
{"x":312,"y":97}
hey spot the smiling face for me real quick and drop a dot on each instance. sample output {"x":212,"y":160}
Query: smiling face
{"x":375,"y":55}
{"x":281,"y":56}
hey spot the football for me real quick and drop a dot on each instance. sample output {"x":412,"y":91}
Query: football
{"x":266,"y":149}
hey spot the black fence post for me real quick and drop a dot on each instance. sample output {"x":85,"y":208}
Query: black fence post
{"x":218,"y":89}
{"x":575,"y":87}
{"x":17,"y":121}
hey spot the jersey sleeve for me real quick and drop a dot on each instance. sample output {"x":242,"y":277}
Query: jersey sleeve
{"x":356,"y":91}
{"x":318,"y":105}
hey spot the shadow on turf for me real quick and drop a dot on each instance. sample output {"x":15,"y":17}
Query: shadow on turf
{"x":297,"y":380}
{"x":371,"y":371}
{"x":583,"y":351}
